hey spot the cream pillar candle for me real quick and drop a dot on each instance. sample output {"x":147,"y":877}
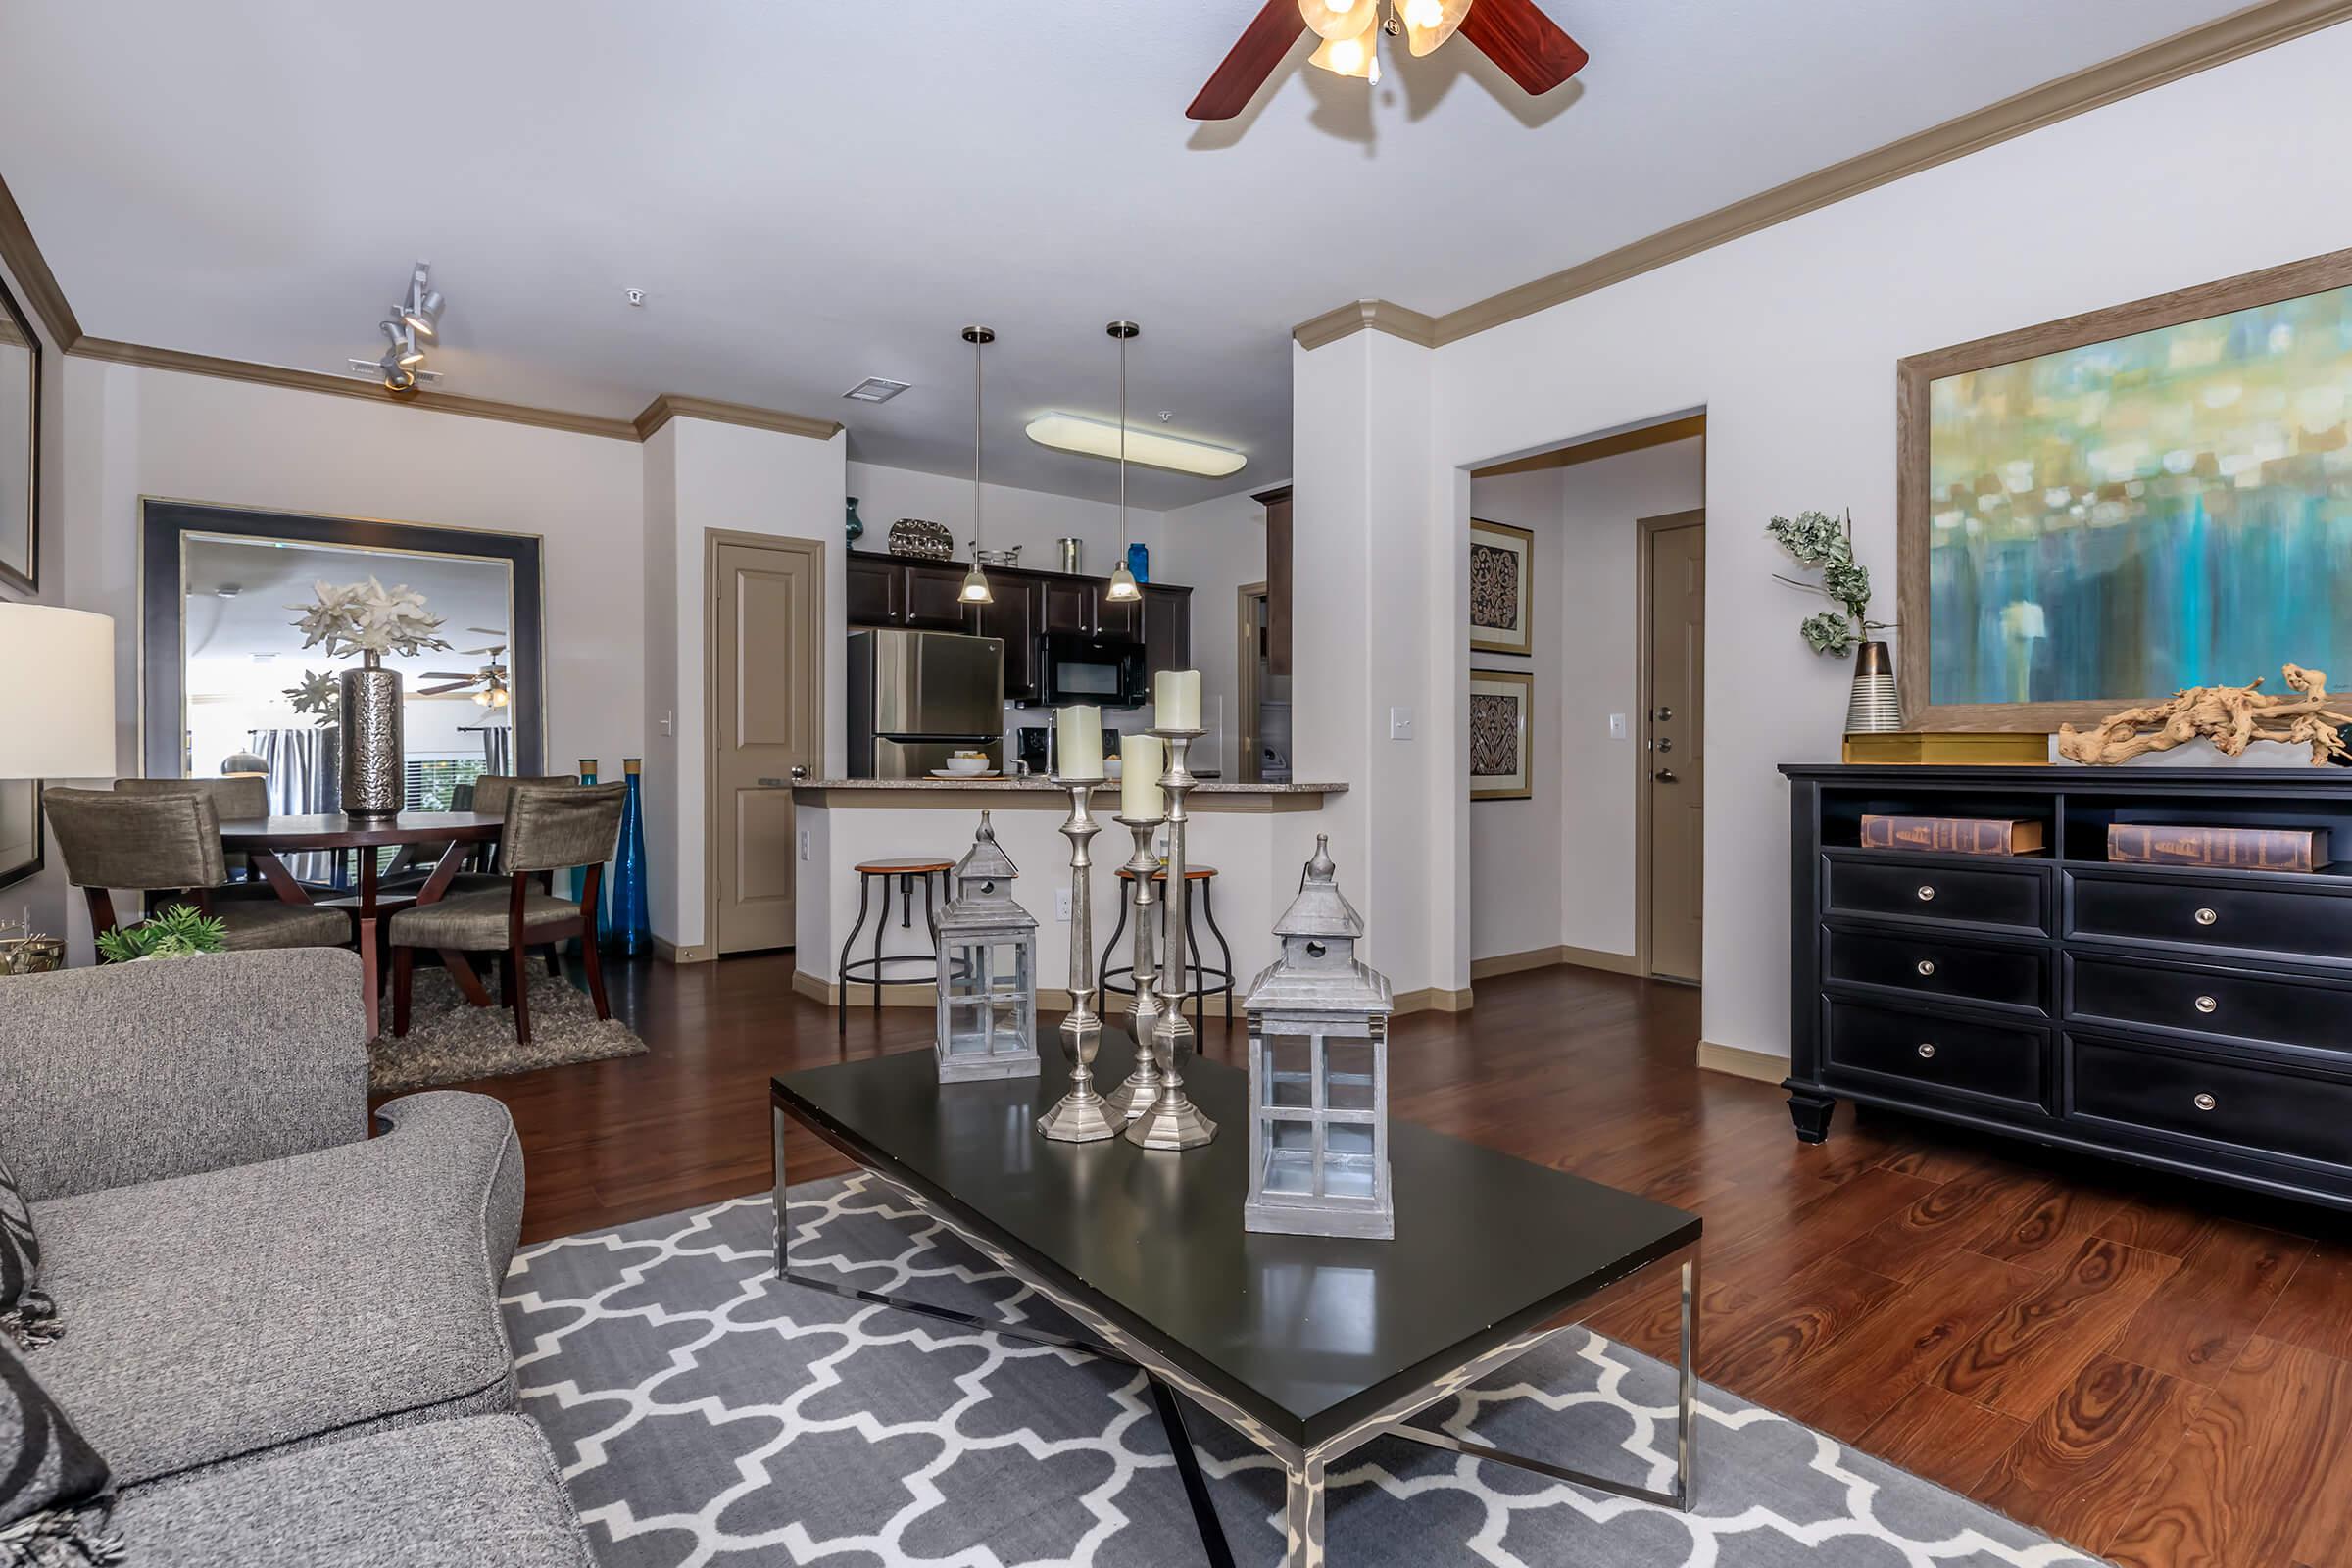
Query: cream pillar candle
{"x":1176,"y":699}
{"x":1142,"y":760}
{"x":1078,"y":742}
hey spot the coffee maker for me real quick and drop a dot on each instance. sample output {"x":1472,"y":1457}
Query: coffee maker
{"x":1033,"y":739}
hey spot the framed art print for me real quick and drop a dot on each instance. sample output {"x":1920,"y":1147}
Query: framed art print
{"x":1502,"y":735}
{"x":22,"y":843}
{"x":19,"y":449}
{"x":2096,"y":512}
{"x":1502,"y":563}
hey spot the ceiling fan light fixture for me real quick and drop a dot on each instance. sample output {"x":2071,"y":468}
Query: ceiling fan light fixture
{"x":1358,"y":57}
{"x":1339,"y":18}
{"x":1099,"y":438}
{"x":1430,"y":23}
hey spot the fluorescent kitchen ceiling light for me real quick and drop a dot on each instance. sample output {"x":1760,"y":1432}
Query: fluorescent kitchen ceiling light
{"x":1099,"y":438}
{"x":876,"y":389}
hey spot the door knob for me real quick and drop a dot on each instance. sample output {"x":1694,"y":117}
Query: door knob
{"x":1665,"y":775}
{"x":1662,"y":714}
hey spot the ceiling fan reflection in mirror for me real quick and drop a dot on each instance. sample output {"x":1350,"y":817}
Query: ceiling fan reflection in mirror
{"x":1527,"y":44}
{"x":488,"y":683}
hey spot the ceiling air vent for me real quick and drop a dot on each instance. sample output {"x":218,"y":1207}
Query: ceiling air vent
{"x":876,"y":389}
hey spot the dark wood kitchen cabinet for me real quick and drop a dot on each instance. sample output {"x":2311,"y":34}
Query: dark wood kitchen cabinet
{"x":1016,"y":616}
{"x":1080,"y":606}
{"x":1167,"y":628}
{"x":875,"y":591}
{"x":932,"y":600}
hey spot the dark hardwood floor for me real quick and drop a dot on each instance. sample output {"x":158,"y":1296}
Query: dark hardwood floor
{"x":2157,"y":1371}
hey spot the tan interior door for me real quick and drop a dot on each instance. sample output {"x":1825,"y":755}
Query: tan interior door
{"x":1676,"y":731}
{"x":769,"y":605}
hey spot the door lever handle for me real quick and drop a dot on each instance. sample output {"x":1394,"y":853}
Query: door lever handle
{"x":1665,"y":775}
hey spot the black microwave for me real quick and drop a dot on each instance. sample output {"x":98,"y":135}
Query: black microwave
{"x":1080,"y":669}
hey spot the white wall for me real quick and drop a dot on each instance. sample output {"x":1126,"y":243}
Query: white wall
{"x":705,"y":475}
{"x":1788,"y":338}
{"x":1029,"y":519}
{"x":1215,"y":547}
{"x":138,"y":432}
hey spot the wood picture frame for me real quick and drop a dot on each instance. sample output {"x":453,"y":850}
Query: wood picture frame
{"x":1503,"y":735}
{"x":20,"y":544}
{"x":1915,"y":374}
{"x":1502,"y":597}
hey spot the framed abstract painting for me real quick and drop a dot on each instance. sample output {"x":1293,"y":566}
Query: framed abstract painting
{"x":2098,"y":511}
{"x":1502,"y":562}
{"x":1502,"y":735}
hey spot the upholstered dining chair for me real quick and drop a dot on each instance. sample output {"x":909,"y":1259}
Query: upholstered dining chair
{"x":169,"y":841}
{"x":488,"y":796}
{"x":549,"y":828}
{"x":235,"y":798}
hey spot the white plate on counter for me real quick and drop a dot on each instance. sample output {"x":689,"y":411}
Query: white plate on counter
{"x":946,"y":772}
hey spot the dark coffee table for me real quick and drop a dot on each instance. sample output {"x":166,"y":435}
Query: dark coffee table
{"x":1309,"y":1346}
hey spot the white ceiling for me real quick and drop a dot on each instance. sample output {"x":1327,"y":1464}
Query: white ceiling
{"x":813,"y":193}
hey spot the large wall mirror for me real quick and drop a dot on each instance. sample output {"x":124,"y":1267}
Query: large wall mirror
{"x":20,"y":448}
{"x":221,"y":658}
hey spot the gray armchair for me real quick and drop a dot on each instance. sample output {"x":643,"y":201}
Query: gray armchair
{"x":260,"y":1302}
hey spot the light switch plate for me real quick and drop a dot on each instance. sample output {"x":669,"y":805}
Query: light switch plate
{"x":805,"y":843}
{"x":1401,"y":723}
{"x":1061,"y":905}
{"x":1617,"y":727}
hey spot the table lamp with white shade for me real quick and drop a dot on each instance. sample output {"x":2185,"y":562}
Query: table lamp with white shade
{"x":57,"y":693}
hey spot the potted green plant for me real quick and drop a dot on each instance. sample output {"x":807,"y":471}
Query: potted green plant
{"x":1825,"y":544}
{"x":179,"y":931}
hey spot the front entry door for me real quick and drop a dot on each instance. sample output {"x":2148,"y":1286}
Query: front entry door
{"x":768,"y":608}
{"x":1675,"y":617}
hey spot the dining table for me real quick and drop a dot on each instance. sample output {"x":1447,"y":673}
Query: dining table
{"x":265,"y":839}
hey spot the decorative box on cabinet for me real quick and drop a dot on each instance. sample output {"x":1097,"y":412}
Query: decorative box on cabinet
{"x":2191,"y":1021}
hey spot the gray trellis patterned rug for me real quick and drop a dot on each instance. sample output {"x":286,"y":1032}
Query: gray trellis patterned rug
{"x":707,"y":1413}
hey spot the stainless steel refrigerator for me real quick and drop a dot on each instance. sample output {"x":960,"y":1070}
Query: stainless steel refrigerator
{"x":917,"y":695}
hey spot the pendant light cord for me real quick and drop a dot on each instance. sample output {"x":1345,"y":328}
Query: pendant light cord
{"x":978,"y":425}
{"x":1126,"y":530}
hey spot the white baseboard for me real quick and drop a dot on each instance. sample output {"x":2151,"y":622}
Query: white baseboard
{"x":1554,"y":958}
{"x":1740,"y":1062}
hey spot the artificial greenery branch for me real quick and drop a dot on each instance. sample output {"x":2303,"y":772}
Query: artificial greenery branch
{"x":1824,"y":543}
{"x":317,"y":695}
{"x":179,"y":932}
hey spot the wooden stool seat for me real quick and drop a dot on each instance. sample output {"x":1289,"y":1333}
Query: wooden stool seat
{"x":1192,"y":873}
{"x":1209,"y":980}
{"x":910,"y":865}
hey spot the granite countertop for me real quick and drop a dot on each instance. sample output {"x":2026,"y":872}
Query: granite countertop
{"x":1043,"y":785}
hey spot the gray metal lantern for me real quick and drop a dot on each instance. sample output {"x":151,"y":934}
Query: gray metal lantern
{"x":987,"y":971}
{"x":1319,"y":1074}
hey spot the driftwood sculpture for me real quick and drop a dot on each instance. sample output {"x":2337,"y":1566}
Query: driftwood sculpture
{"x":2230,"y":716}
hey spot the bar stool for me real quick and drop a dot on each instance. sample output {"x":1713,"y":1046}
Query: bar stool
{"x":1204,"y":877}
{"x":869,"y":971}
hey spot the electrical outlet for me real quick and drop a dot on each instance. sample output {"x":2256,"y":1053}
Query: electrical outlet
{"x":1061,"y":905}
{"x":1617,"y":727}
{"x":805,"y":843}
{"x":1401,"y":723}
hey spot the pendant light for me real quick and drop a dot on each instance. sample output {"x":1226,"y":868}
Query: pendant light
{"x":1123,"y":587}
{"x":975,"y":589}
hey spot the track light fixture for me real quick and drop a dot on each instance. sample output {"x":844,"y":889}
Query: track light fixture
{"x":417,"y":317}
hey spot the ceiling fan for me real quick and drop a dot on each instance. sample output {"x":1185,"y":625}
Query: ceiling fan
{"x":491,"y":678}
{"x":1527,"y":44}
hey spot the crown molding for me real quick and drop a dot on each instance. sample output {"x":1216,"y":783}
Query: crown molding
{"x":349,"y":386}
{"x":674,"y":406}
{"x":1367,"y":316}
{"x":34,"y":281}
{"x":1607,"y":445}
{"x":2183,"y":54}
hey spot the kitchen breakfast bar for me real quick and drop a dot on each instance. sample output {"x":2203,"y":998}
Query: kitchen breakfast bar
{"x":1255,"y":836}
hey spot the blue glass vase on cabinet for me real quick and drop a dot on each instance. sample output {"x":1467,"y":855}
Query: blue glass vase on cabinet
{"x":630,"y":930}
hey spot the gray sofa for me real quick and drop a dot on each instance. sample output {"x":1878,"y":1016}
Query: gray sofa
{"x":281,"y":1334}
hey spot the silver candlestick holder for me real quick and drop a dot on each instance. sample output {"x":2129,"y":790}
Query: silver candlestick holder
{"x":1173,"y":1121}
{"x":1142,"y":1088}
{"x":1081,"y":1116}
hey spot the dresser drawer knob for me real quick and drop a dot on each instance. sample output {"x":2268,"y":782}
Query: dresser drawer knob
{"x":2204,"y":1102}
{"x":1927,"y":1051}
{"x":2206,"y":1004}
{"x":1927,"y":893}
{"x":2207,"y":916}
{"x":1926,"y":966}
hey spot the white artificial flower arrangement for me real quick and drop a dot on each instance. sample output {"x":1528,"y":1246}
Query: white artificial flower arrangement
{"x":368,"y":619}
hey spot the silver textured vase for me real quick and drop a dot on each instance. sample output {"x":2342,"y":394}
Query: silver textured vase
{"x":373,"y":782}
{"x":1874,"y":709}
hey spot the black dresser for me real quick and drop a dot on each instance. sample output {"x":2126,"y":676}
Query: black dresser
{"x":2197,"y":1020}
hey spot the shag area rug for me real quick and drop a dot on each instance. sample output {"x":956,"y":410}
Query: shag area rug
{"x":449,"y":1040}
{"x":707,"y":1413}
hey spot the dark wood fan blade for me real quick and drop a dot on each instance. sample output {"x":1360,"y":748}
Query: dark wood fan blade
{"x":1527,"y":44}
{"x":1263,"y":45}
